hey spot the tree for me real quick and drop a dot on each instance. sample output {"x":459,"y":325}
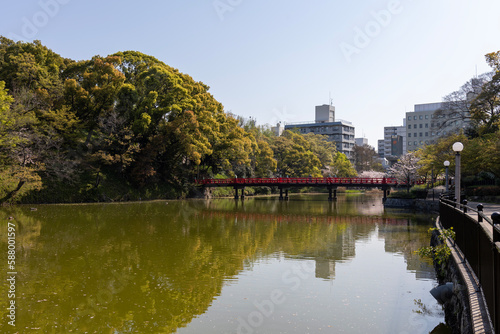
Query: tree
{"x":481,"y":155}
{"x":366,"y":159}
{"x":265,"y":164}
{"x":456,"y":106}
{"x":406,"y":169}
{"x":324,"y":149}
{"x":432,"y":157}
{"x":294,"y":156}
{"x":91,"y":91}
{"x":485,"y":109}
{"x":342,"y":167}
{"x":18,"y":164}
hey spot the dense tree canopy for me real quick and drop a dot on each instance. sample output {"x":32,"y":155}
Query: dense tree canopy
{"x":128,"y":126}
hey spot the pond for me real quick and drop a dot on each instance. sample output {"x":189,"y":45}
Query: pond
{"x":261,"y":265}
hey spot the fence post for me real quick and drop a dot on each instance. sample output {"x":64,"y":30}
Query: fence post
{"x":495,"y":218}
{"x":479,"y":213}
{"x":465,"y":205}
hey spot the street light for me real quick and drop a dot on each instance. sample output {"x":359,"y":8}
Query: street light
{"x":446,"y":164}
{"x":457,"y":147}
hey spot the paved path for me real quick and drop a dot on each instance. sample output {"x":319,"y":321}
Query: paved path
{"x":488,"y":208}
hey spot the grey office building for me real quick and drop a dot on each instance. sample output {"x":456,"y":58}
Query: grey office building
{"x":339,"y":131}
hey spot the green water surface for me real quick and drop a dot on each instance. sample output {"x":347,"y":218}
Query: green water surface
{"x":219,"y":266}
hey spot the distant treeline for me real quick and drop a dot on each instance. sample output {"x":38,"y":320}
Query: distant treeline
{"x":126,"y":127}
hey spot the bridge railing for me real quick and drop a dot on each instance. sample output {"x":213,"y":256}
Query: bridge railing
{"x":305,"y":181}
{"x":479,"y":241}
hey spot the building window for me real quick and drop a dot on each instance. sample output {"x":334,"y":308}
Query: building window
{"x":426,"y":116}
{"x":420,"y":117}
{"x":420,"y":125}
{"x":427,"y":134}
{"x":420,"y":134}
{"x":414,"y":134}
{"x":426,"y":125}
{"x":409,"y":126}
{"x":415,"y":143}
{"x":409,"y":118}
{"x":414,"y":126}
{"x":409,"y":143}
{"x":414,"y":118}
{"x":409,"y":135}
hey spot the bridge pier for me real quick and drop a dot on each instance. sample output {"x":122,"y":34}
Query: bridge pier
{"x":281,"y":194}
{"x":330,"y":191}
{"x":387,"y":191}
{"x":236,"y":196}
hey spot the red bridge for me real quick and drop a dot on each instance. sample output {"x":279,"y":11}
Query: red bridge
{"x":283,"y":183}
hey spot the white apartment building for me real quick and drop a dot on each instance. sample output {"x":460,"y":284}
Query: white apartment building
{"x":424,"y":126}
{"x":361,"y":141}
{"x":339,"y":131}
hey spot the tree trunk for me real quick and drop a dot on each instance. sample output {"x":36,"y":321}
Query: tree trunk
{"x":13,"y":192}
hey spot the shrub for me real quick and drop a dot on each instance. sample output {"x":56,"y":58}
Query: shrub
{"x":401,"y":194}
{"x":483,"y":191}
{"x":419,"y":192}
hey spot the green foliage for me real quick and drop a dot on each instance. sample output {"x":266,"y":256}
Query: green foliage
{"x":483,"y":191}
{"x":440,"y":253}
{"x":485,"y":108}
{"x":419,"y":192}
{"x":402,"y":194}
{"x":342,"y":167}
{"x":129,"y":126}
{"x":294,"y":156}
{"x":366,"y":159}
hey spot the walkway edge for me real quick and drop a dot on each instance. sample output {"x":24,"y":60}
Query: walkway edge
{"x":480,"y":317}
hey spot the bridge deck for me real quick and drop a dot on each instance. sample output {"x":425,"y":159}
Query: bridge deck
{"x":304,"y":181}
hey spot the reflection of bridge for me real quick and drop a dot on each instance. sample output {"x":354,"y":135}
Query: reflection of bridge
{"x":284,"y":183}
{"x":297,"y":218}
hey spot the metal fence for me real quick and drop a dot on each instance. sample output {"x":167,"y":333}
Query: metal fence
{"x":479,"y":240}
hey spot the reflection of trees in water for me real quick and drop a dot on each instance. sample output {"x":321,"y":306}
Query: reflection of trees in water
{"x":151,"y":267}
{"x":407,"y":238}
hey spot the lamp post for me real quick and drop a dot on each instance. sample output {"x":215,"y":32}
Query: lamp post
{"x":446,"y":165}
{"x":457,"y":147}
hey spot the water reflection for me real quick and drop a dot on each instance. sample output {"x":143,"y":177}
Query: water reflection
{"x":154,"y":267}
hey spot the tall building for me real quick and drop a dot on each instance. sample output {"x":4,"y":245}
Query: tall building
{"x":380,"y":148}
{"x":278,"y":129}
{"x":394,"y":142}
{"x":430,"y":121}
{"x":361,"y":141}
{"x":339,"y":131}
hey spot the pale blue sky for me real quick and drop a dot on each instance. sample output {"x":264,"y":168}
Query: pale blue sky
{"x":276,"y":60}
